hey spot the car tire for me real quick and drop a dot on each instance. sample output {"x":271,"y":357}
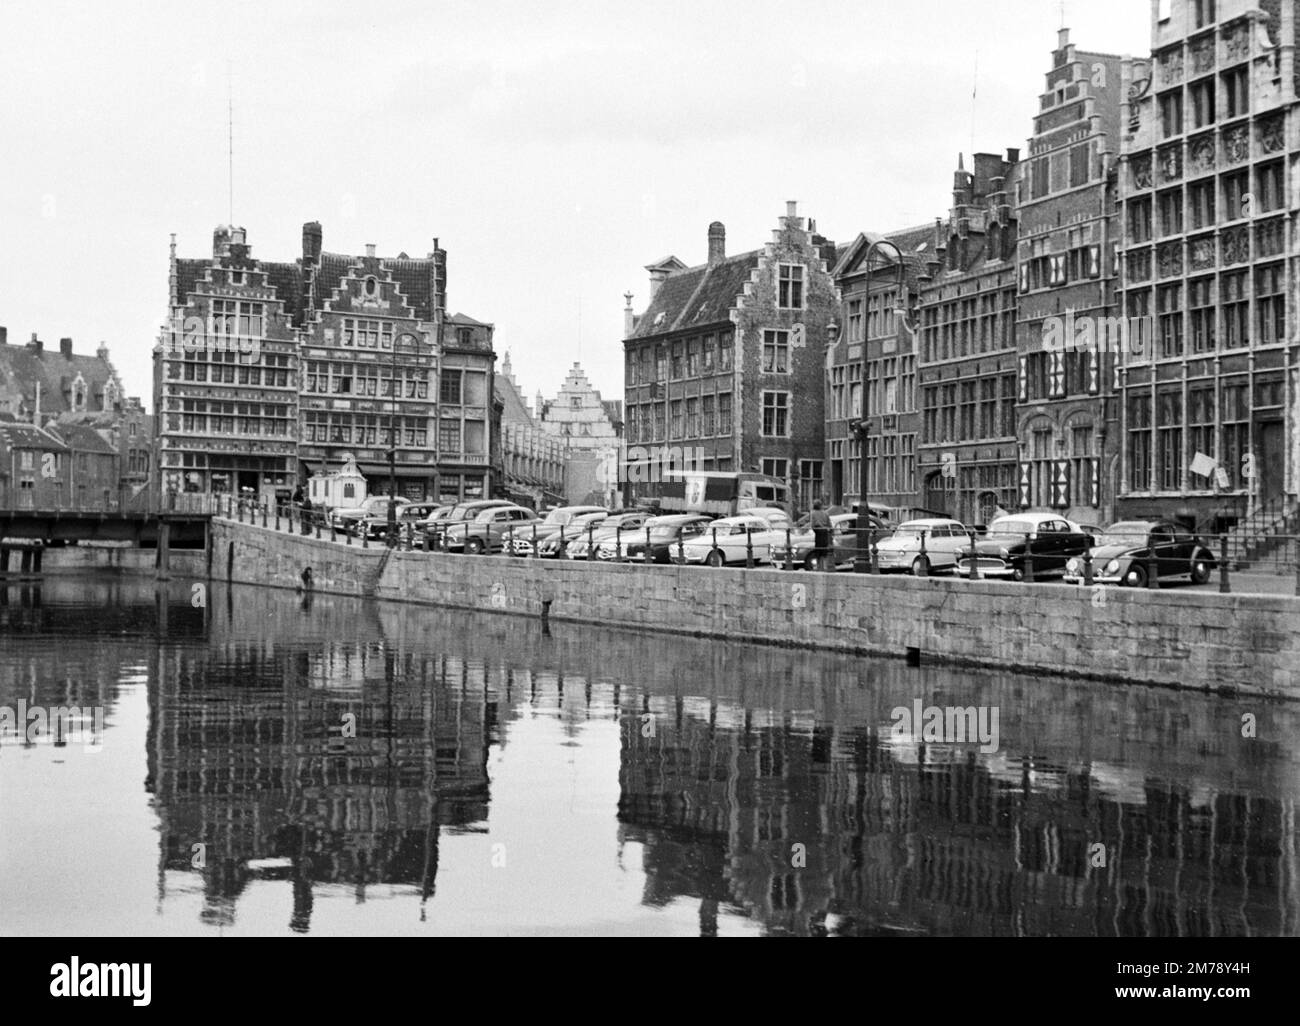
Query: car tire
{"x":813,"y":564}
{"x":474,"y":546}
{"x":1200,"y":568}
{"x":918,"y":563}
{"x":1018,"y":574}
{"x":716,"y":559}
{"x":1135,"y":577}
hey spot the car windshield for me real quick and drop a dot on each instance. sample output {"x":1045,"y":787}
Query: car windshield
{"x":1125,"y":534}
{"x":1011,"y":528}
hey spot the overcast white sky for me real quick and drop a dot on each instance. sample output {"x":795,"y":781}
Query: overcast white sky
{"x":554,"y":148}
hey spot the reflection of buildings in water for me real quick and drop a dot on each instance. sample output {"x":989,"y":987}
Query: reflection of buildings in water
{"x":252,"y":755}
{"x":942,"y":845}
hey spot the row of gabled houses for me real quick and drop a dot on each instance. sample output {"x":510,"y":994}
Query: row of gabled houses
{"x":1104,"y":325}
{"x":69,"y":437}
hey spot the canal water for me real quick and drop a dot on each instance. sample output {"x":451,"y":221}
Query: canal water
{"x":270,"y":764}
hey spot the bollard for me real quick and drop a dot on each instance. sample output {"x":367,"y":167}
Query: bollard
{"x":591,"y":547}
{"x":789,"y":551}
{"x":263,"y":514}
{"x":1225,"y":585}
{"x":318,"y":529}
{"x":533,"y":553}
{"x":715,"y":541}
{"x":749,"y":549}
{"x":240,"y":512}
{"x":560,"y":550}
{"x":365,"y":539}
{"x":648,"y":560}
{"x":1087,"y":568}
{"x":332,"y":538}
{"x":410,"y":537}
{"x":277,"y":517}
{"x":974,"y":559}
{"x":425,"y":540}
{"x":924,"y":559}
{"x":618,"y":544}
{"x":347,"y":537}
{"x":1029,"y":558}
{"x":487,"y":539}
{"x":1297,"y":568}
{"x":1153,"y":567}
{"x":681,"y":550}
{"x":875,"y":553}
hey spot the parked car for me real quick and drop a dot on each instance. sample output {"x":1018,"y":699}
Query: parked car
{"x":1001,"y":553}
{"x":608,"y":529}
{"x":553,"y":545}
{"x":412,"y":513}
{"x":461,"y":513}
{"x":731,"y":539}
{"x":1121,"y":554}
{"x":945,"y":542}
{"x":664,"y":536}
{"x":487,"y":531}
{"x":521,"y":542}
{"x":375,"y":506}
{"x":844,"y":543}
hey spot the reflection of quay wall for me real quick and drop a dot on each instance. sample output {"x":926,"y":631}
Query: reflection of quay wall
{"x":121,"y":558}
{"x":1192,"y":639}
{"x":945,"y":849}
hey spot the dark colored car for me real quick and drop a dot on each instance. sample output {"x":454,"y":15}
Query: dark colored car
{"x":1001,"y":553}
{"x":1122,"y":555}
{"x":487,"y":530}
{"x":437,"y":526}
{"x":665,"y":533}
{"x":413,"y":514}
{"x":844,"y":542}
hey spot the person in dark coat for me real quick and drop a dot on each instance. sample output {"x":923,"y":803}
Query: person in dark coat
{"x":820,"y":522}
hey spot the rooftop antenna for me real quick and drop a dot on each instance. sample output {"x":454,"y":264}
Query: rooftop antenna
{"x":975,"y":88}
{"x":230,"y":136}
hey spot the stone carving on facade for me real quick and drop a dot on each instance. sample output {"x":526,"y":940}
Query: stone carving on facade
{"x":1236,"y":245}
{"x":1171,"y":164}
{"x":1170,"y":259}
{"x":1236,"y":42}
{"x":1171,"y":66}
{"x":1203,"y":55}
{"x":1202,"y":255}
{"x":1236,"y":144}
{"x":1272,"y":134}
{"x":1202,"y":154}
{"x":1142,"y":172}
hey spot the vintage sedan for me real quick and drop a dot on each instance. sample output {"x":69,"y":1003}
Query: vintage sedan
{"x":844,"y":543}
{"x":413,"y":514}
{"x":488,"y":529}
{"x":521,"y":542}
{"x":554,"y":544}
{"x":614,"y":527}
{"x":346,"y":520}
{"x":1122,"y":555}
{"x":666,"y":537}
{"x":945,"y":542}
{"x":1051,"y":539}
{"x":730,"y":540}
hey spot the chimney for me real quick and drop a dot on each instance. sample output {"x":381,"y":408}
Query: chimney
{"x":65,"y":347}
{"x":370,"y":250}
{"x":657,"y":276}
{"x":1062,"y":38}
{"x":4,"y":335}
{"x":629,"y":318}
{"x":717,"y":243}
{"x":36,"y":344}
{"x":312,"y":239}
{"x":1013,"y":155}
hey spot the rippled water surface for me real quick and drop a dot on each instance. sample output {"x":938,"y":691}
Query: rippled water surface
{"x":272,"y":764}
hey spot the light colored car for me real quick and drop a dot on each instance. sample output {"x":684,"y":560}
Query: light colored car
{"x":844,"y":543}
{"x":945,"y":542}
{"x":487,"y":530}
{"x":521,"y":542}
{"x":616,"y":527}
{"x":553,"y":545}
{"x":731,"y":539}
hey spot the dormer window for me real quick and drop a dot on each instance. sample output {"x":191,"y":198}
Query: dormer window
{"x":371,"y":287}
{"x":236,"y":277}
{"x":79,"y":391}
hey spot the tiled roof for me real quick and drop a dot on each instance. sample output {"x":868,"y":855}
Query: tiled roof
{"x":696,"y":296}
{"x":287,"y":280}
{"x":414,"y":278}
{"x":82,"y":438}
{"x":21,"y":367}
{"x":28,"y":436}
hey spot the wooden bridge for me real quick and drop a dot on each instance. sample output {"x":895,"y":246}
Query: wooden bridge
{"x":29,"y":532}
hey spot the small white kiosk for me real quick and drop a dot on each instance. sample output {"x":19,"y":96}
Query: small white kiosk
{"x":343,"y":489}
